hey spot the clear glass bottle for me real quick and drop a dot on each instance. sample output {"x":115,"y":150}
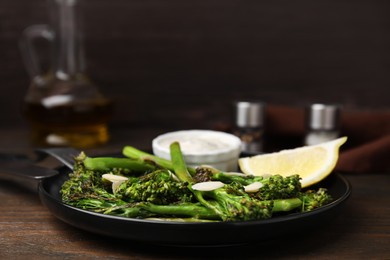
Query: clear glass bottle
{"x":322,"y":123}
{"x":249,"y":125}
{"x":62,"y":105}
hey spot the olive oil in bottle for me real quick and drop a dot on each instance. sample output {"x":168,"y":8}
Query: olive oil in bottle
{"x":63,"y":107}
{"x":82,"y":124}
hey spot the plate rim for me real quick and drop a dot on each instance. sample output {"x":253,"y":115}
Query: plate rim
{"x":163,"y":226}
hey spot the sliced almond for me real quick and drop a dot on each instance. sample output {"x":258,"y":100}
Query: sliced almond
{"x":116,"y":184}
{"x":208,"y":185}
{"x":113,"y":178}
{"x":253,"y":187}
{"x":173,"y":176}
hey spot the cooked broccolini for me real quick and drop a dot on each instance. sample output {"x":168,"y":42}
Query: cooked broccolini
{"x":152,"y":187}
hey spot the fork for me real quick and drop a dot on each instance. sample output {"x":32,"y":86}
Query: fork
{"x":65,"y":155}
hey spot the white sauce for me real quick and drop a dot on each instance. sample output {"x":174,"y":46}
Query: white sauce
{"x":218,"y":149}
{"x":200,"y":144}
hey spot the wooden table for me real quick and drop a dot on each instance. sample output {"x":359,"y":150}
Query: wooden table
{"x":29,"y":231}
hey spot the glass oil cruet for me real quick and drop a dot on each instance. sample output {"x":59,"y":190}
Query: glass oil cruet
{"x":62,"y":105}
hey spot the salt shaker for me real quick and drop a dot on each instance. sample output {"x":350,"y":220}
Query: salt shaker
{"x":322,"y":123}
{"x":249,"y":125}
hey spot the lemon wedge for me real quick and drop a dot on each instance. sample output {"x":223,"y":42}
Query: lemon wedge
{"x":311,"y":163}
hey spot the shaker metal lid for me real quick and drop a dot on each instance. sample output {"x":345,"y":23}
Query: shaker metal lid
{"x":323,"y":116}
{"x":249,"y":114}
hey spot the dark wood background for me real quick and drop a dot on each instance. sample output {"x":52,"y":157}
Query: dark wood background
{"x":162,"y":61}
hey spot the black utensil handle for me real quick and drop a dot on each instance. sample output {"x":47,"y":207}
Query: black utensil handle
{"x":24,"y":170}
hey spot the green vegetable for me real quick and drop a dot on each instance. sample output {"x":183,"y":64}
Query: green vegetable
{"x":178,"y":164}
{"x":85,"y":188}
{"x":134,"y":153}
{"x":107,"y":163}
{"x":314,"y":199}
{"x":273,"y":187}
{"x":229,"y":202}
{"x":147,"y":210}
{"x":285,"y":205}
{"x":160,"y":189}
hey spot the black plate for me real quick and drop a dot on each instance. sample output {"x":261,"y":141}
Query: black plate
{"x":193,"y":234}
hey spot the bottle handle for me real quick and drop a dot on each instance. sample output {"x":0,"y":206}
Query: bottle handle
{"x":29,"y":51}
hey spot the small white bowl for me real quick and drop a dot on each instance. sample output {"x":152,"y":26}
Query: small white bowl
{"x":202,"y":147}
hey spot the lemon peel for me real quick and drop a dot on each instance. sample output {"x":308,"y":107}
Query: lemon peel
{"x":312,"y":163}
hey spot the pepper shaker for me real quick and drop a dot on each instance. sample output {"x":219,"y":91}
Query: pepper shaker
{"x":322,"y":123}
{"x":249,"y":125}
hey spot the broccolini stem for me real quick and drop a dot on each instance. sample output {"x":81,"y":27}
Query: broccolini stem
{"x":107,"y":163}
{"x":178,"y":163}
{"x":189,"y":210}
{"x":134,"y":153}
{"x":286,"y":204}
{"x":146,"y":210}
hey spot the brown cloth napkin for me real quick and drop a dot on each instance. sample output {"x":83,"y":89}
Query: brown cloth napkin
{"x":368,"y":146}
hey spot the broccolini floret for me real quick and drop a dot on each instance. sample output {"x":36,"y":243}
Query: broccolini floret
{"x":85,"y":188}
{"x":278,"y":187}
{"x":312,"y":199}
{"x":231,"y":203}
{"x":273,"y":187}
{"x":158,"y":187}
